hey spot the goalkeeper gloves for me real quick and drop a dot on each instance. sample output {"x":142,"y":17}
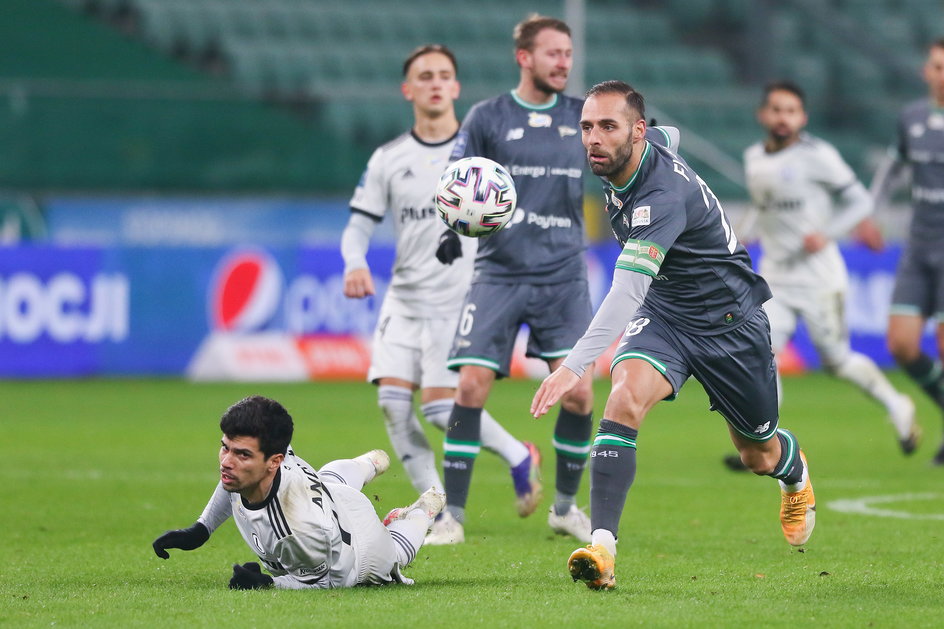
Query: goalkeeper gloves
{"x":450,"y":247}
{"x":184,"y":539}
{"x":249,"y":576}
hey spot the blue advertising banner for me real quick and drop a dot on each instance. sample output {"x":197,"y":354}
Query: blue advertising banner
{"x":80,"y":311}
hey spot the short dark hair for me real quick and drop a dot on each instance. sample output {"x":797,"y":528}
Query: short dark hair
{"x":427,"y":49}
{"x":634,"y":99}
{"x":783,"y":85}
{"x":262,"y":418}
{"x":937,"y":43}
{"x":526,"y":31}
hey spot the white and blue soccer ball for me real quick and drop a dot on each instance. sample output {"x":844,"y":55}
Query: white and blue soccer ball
{"x":476,"y":196}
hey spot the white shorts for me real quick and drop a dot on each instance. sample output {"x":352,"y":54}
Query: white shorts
{"x":375,"y":556}
{"x":823,"y":314}
{"x":413,"y":349}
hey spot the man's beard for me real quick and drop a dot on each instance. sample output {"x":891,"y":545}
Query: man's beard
{"x":544,"y":86}
{"x":614,"y":166}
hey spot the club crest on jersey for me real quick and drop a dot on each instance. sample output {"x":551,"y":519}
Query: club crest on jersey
{"x":641,"y":215}
{"x":916,"y":130}
{"x":615,"y":200}
{"x":255,"y":540}
{"x":566,"y":131}
{"x":514,"y":134}
{"x":539,"y":120}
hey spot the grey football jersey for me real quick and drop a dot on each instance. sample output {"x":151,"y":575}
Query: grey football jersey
{"x":921,"y":146}
{"x":541,"y":148}
{"x":673,"y":229}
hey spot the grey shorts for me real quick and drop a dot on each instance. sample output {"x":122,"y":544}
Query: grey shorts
{"x":736,"y":368}
{"x":557,"y":315}
{"x":919,"y":282}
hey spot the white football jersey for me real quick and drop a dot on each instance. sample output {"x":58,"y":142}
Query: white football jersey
{"x":400,"y":180}
{"x":793,"y":190}
{"x":299,"y":532}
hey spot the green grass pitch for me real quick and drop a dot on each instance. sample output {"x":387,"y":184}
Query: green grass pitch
{"x":93,"y":470}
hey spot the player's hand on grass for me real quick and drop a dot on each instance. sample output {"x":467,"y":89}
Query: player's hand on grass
{"x":358,"y":284}
{"x":552,"y":390}
{"x":249,"y":576}
{"x":450,"y":247}
{"x":184,"y":539}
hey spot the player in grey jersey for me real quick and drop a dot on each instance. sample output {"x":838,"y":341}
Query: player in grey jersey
{"x":919,"y":281}
{"x":531,"y":272}
{"x":310,"y":529}
{"x":805,"y":197}
{"x":420,"y":310}
{"x":688,"y":303}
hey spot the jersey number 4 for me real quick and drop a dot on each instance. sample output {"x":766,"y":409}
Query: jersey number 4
{"x":709,"y":196}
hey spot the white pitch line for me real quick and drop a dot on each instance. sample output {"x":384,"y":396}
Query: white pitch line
{"x":865,"y":506}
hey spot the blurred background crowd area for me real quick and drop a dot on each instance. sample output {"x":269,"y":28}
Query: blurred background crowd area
{"x":289,"y":97}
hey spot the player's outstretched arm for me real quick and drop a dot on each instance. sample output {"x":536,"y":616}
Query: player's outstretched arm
{"x":184,"y":539}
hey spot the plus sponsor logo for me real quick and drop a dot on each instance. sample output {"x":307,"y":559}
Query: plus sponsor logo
{"x":64,"y":307}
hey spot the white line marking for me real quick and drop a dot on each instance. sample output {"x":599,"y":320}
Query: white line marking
{"x":865,"y":506}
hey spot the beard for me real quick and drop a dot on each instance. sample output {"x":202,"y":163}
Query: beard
{"x":615,"y":164}
{"x":544,"y":86}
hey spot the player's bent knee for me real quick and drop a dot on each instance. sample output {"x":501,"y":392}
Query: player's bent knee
{"x":625,"y":407}
{"x":579,"y":399}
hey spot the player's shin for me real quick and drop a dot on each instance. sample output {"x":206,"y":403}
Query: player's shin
{"x":929,"y":375}
{"x":460,"y":448}
{"x":407,"y":437}
{"x":789,"y":469}
{"x":572,"y":444}
{"x":612,"y":471}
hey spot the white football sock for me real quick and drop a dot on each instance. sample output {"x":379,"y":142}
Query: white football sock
{"x":408,"y":534}
{"x":604,"y":537}
{"x":407,"y":437}
{"x":493,"y":436}
{"x":860,"y":370}
{"x":351,"y":472}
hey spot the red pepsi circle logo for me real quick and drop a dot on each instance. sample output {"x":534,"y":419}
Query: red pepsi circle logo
{"x":245,"y":291}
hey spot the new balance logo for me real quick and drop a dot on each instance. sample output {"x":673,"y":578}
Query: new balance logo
{"x":514,"y":134}
{"x":762,"y":429}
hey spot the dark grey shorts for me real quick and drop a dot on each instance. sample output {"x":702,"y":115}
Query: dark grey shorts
{"x":557,"y":315}
{"x":737,"y":368}
{"x":919,"y":281}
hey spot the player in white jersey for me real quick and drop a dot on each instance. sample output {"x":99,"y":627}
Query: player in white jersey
{"x":420,"y":311}
{"x":805,"y":197}
{"x":310,"y":529}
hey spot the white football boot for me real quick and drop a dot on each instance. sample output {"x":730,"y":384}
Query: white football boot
{"x":575,"y":523}
{"x":445,"y":530}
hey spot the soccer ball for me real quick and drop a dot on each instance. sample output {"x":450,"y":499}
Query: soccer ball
{"x":476,"y":196}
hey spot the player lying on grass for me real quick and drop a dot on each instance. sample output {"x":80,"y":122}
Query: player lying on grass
{"x":310,"y":529}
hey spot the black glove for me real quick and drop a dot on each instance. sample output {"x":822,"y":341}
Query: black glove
{"x":450,"y":247}
{"x":184,"y":539}
{"x":249,"y":577}
{"x":652,"y":122}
